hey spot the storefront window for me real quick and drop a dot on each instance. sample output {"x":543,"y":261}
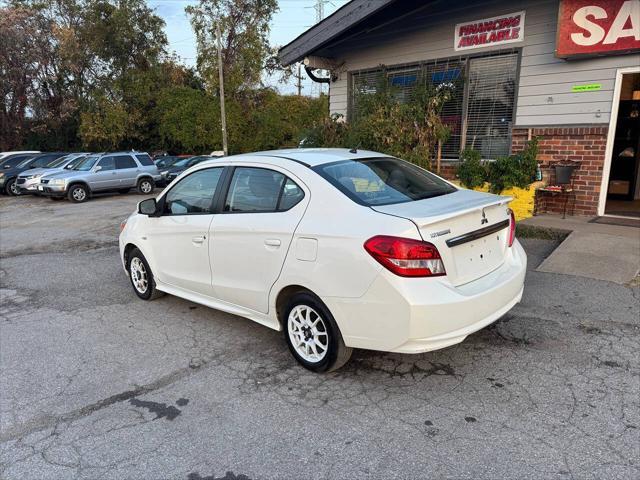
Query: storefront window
{"x":480,"y":112}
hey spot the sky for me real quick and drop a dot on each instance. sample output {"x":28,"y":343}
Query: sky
{"x":294,"y":17}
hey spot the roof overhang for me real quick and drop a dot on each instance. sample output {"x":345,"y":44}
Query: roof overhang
{"x":331,"y":27}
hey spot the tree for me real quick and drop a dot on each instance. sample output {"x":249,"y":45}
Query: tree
{"x":64,"y":57}
{"x":25,"y":50}
{"x":245,"y":43}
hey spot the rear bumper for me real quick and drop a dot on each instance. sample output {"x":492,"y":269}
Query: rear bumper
{"x":419,"y":315}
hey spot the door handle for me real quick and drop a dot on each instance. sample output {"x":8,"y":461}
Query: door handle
{"x":198,"y":240}
{"x":272,"y":242}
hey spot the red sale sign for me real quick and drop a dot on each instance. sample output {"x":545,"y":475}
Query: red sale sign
{"x":596,"y":27}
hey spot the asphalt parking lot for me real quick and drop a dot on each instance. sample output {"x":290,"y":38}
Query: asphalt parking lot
{"x":95,"y":383}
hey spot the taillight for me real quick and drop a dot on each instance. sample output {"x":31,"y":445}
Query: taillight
{"x":406,"y":257}
{"x":123,"y":224}
{"x":512,"y":227}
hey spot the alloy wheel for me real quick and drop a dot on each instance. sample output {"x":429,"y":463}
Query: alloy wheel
{"x":146,"y":186}
{"x":308,"y":333}
{"x":79,"y":194}
{"x":15,"y":189}
{"x":139,"y":275}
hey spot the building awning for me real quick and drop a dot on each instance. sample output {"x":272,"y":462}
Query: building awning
{"x":342,"y":20}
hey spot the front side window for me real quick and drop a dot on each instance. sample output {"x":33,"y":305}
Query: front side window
{"x":125,"y":161}
{"x":107,"y":163}
{"x":193,"y":194}
{"x":254,"y":190}
{"x":383,"y":181}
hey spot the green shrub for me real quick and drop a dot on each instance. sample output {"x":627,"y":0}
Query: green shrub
{"x":517,"y":170}
{"x":471,"y":172}
{"x":409,"y":130}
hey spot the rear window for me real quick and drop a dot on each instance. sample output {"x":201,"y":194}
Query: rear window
{"x":383,"y":181}
{"x":145,"y":160}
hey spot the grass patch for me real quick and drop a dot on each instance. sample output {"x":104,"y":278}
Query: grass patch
{"x":542,"y":233}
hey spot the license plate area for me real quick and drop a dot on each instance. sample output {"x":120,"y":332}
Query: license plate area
{"x":479,"y":257}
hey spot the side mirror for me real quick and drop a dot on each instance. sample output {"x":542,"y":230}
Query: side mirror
{"x":97,"y":168}
{"x":7,"y":166}
{"x":148,"y":207}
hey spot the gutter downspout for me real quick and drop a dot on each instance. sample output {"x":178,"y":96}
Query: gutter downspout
{"x":315,"y":78}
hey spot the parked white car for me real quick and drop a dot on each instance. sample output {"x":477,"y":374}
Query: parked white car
{"x":340,"y":250}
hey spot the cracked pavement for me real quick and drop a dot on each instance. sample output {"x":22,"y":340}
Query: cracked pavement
{"x":95,"y":383}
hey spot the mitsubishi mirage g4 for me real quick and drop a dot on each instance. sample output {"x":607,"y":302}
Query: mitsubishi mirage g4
{"x":339,"y":250}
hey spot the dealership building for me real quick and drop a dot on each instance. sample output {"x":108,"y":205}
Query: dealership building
{"x":565,"y":71}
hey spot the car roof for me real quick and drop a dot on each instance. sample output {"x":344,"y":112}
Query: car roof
{"x":314,"y":156}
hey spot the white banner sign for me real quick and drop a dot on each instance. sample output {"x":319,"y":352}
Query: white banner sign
{"x":488,"y":32}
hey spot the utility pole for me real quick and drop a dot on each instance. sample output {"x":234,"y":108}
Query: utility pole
{"x":299,"y":80}
{"x":223,"y":116}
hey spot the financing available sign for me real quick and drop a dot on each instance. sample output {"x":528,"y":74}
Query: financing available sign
{"x":597,"y":27}
{"x":489,"y":32}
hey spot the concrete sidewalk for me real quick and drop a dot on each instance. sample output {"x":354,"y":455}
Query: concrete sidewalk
{"x":592,"y":250}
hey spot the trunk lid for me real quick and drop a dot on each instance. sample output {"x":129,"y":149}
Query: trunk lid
{"x":470,"y":230}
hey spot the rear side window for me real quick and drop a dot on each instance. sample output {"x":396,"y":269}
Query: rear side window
{"x":145,"y":160}
{"x":291,"y":195}
{"x":125,"y":161}
{"x":261,"y":190}
{"x":383,"y":181}
{"x":193,"y":194}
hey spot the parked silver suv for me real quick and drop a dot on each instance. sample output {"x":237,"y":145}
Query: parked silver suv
{"x":104,"y":172}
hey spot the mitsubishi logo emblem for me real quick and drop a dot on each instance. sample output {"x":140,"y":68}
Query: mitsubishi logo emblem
{"x":484,"y":218}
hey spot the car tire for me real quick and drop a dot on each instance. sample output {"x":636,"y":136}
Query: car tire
{"x":11,"y":188}
{"x":141,"y":276}
{"x":145,"y":186}
{"x":78,"y":194}
{"x":123,"y":191}
{"x":312,"y":335}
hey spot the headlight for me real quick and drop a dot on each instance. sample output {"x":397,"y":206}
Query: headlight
{"x":164,"y":174}
{"x":1,"y":174}
{"x":57,"y":181}
{"x":37,"y":175}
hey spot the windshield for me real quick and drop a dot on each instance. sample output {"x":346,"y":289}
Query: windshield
{"x":182,"y":163}
{"x":73,"y":163}
{"x":383,"y":181}
{"x":86,"y":164}
{"x":25,"y":162}
{"x":13,"y":161}
{"x":60,"y":161}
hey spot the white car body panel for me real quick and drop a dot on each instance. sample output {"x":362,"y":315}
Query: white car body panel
{"x":240,"y":269}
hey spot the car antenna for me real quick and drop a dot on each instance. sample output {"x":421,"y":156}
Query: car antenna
{"x":355,"y":149}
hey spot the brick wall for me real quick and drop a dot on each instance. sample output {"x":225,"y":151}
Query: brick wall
{"x":582,"y":144}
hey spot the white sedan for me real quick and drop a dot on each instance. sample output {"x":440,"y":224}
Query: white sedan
{"x":338,"y":248}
